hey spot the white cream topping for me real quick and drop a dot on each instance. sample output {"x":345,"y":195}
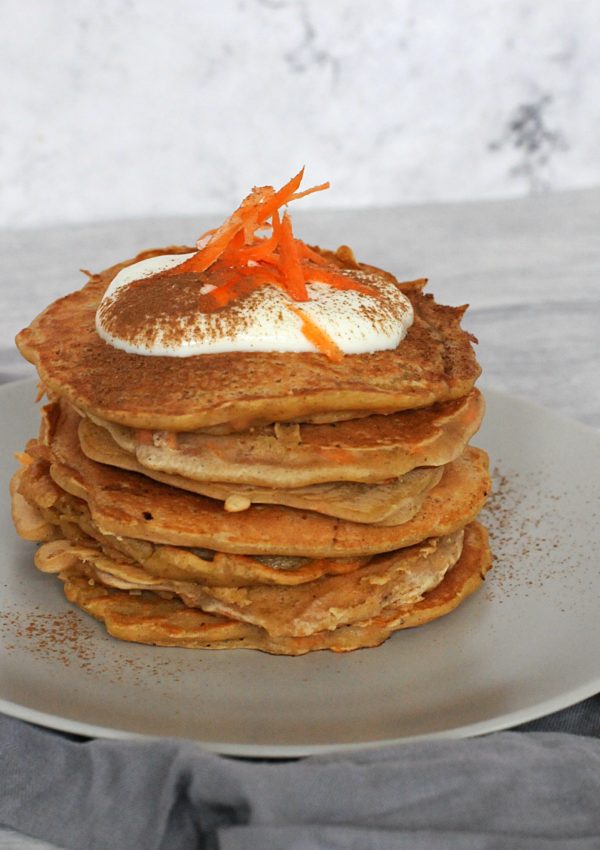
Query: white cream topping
{"x":356,"y":322}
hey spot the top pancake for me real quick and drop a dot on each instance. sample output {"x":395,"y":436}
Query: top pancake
{"x":435,"y":362}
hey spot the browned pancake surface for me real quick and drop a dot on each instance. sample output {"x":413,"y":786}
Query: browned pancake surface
{"x":434,"y":362}
{"x":146,"y":618}
{"x":390,"y":503}
{"x":43,"y":511}
{"x":132,"y":505}
{"x":372,"y":449}
{"x":401,"y":577}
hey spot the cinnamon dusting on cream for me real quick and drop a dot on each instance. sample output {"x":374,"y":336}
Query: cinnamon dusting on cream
{"x":243,"y":290}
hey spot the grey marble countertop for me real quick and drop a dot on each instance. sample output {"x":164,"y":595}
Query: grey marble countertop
{"x":529,"y":268}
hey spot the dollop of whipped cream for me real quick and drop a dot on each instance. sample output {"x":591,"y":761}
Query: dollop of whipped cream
{"x":265,"y":320}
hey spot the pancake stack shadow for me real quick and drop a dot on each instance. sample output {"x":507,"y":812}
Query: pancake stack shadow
{"x":276,"y":502}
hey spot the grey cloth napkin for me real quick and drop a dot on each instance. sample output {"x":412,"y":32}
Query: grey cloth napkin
{"x":534,"y":791}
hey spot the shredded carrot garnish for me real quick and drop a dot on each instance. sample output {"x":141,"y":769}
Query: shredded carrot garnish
{"x":308,"y":254}
{"x":241,"y":257}
{"x":306,"y":192}
{"x":280,"y":198}
{"x":333,"y":278}
{"x":236,"y":287}
{"x":317,"y":336}
{"x":204,"y":236}
{"x":289,"y":262}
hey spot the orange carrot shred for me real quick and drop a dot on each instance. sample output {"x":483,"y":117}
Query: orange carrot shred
{"x":233,"y":248}
{"x":290,"y":262}
{"x":318,"y":274}
{"x":260,"y":271}
{"x":319,"y":338}
{"x":243,"y":282}
{"x":281,"y":197}
{"x":223,"y":235}
{"x":308,"y":254}
{"x":306,"y":192}
{"x":205,"y":235}
{"x":239,"y":229}
{"x":244,"y":256}
{"x":260,"y":248}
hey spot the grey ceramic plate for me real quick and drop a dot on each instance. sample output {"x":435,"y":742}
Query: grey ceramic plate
{"x":525,"y":645}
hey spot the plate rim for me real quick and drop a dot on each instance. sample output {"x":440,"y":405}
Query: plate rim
{"x":504,"y":722}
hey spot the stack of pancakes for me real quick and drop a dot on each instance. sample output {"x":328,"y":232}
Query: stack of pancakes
{"x":279,"y":501}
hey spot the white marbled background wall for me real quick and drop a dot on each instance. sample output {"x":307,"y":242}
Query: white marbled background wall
{"x":130,"y":108}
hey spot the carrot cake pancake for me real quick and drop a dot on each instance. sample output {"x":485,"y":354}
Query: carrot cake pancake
{"x":253,"y":442}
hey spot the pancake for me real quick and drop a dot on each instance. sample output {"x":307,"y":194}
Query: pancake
{"x":147,"y":618}
{"x":231,"y":495}
{"x":132,"y":505}
{"x":390,"y":503}
{"x":401,"y":577}
{"x":435,"y":362}
{"x":369,"y":450}
{"x":29,"y":522}
{"x":65,"y":516}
